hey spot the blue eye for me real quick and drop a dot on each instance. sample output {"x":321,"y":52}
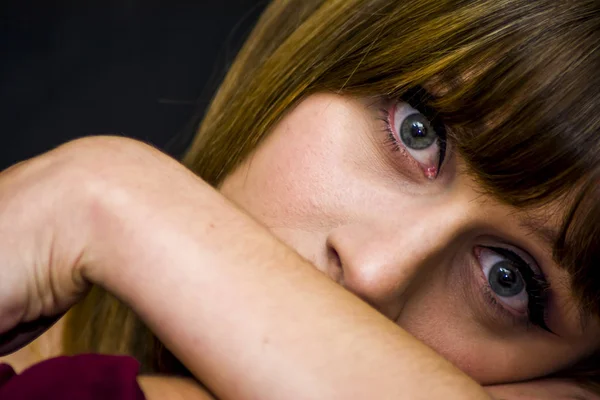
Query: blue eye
{"x":411,"y":130}
{"x":417,"y":133}
{"x":505,"y":280}
{"x":515,"y":284}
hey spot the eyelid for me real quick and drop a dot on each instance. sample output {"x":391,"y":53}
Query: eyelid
{"x":430,"y":164}
{"x":494,"y":307}
{"x":490,"y":256}
{"x":536,"y":284}
{"x":511,"y":251}
{"x":500,"y":313}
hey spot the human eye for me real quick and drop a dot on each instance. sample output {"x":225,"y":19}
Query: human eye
{"x":413,"y":130}
{"x":515,"y":287}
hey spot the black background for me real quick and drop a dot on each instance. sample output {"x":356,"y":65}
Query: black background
{"x":138,"y":68}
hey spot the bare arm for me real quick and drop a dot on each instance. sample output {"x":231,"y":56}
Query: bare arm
{"x":244,"y":313}
{"x":171,"y":388}
{"x":247,"y":315}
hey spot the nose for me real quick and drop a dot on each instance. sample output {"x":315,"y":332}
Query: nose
{"x":384,"y":259}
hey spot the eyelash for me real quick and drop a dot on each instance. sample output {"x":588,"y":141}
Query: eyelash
{"x":391,"y":140}
{"x":535,"y":285}
{"x":417,"y":99}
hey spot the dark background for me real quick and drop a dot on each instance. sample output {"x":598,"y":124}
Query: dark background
{"x":139,"y":68}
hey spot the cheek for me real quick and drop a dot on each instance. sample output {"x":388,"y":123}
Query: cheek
{"x":437,"y":315}
{"x":284,"y":179}
{"x":298,"y":176}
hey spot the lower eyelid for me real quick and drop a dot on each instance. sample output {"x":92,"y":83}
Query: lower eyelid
{"x":427,"y":162}
{"x":499,"y":314}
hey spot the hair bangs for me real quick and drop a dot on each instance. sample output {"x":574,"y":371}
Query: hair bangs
{"x":519,"y":95}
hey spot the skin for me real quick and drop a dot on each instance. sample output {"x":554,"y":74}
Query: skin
{"x":162,"y":387}
{"x":540,"y":390}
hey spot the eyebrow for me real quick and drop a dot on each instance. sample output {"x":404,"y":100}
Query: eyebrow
{"x":549,"y":237}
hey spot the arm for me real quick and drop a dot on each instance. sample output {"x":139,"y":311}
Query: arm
{"x":171,"y":388}
{"x":123,"y":215}
{"x":303,"y":336}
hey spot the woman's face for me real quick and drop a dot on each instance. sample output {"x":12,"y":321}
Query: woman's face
{"x":356,"y":187}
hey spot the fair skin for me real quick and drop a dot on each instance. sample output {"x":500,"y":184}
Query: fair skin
{"x":171,"y":388}
{"x":329,"y":146}
{"x":367,"y":217}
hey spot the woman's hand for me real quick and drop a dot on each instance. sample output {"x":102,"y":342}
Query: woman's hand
{"x":56,"y":212}
{"x":43,"y":234}
{"x":64,"y":213}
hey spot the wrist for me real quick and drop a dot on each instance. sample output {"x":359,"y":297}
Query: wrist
{"x":137,"y":200}
{"x":92,"y":196}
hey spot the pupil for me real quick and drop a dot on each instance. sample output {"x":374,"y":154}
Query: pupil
{"x":418,"y":130}
{"x":505,"y":281}
{"x":506,"y":277}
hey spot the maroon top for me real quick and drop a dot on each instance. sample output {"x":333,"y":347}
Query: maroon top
{"x":82,"y":377}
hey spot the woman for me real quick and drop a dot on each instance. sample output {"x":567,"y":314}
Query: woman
{"x":386,"y":165}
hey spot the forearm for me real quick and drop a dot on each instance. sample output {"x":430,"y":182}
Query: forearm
{"x":247,"y":315}
{"x":171,"y":388}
